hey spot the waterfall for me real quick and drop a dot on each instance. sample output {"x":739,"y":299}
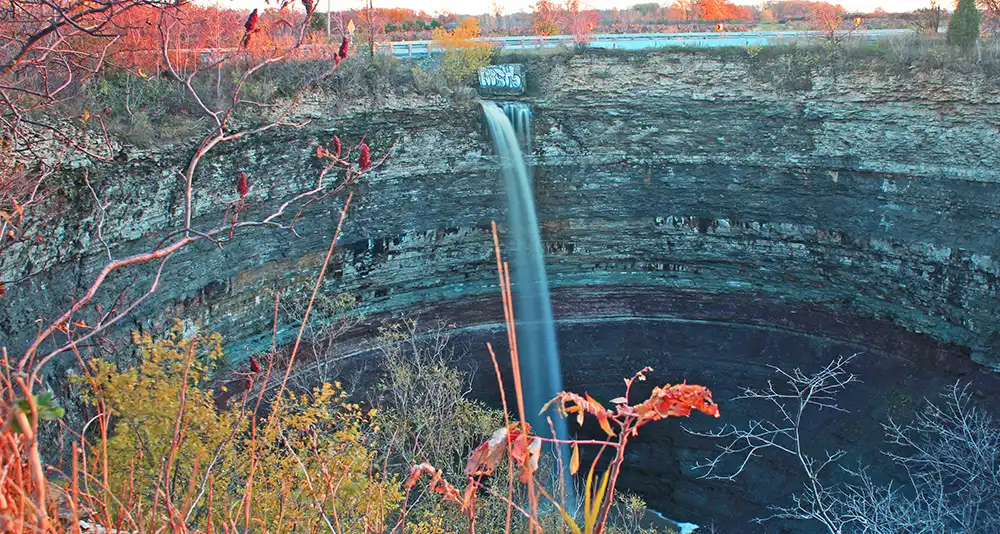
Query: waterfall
{"x":536,"y":335}
{"x":519,"y":115}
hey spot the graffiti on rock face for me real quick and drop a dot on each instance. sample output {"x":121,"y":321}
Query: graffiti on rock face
{"x":501,"y":77}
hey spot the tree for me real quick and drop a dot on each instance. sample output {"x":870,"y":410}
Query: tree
{"x":372,"y":26}
{"x":929,"y":18}
{"x":719,"y":10}
{"x":991,"y":13}
{"x":950,"y":453}
{"x":545,"y":20}
{"x":686,"y":9}
{"x":579,"y":23}
{"x":963,"y":30}
{"x":497,"y":8}
{"x":792,"y":400}
{"x":826,"y":18}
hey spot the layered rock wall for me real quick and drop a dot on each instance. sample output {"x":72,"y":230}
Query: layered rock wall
{"x":870,"y":194}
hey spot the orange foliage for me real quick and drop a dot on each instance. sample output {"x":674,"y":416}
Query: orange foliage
{"x":524,"y":450}
{"x":720,"y":10}
{"x":826,"y":17}
{"x":545,"y":20}
{"x":198,"y":35}
{"x":399,"y":15}
{"x":677,"y":400}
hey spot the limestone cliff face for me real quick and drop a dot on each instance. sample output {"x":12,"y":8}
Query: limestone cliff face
{"x":868,"y":194}
{"x":857,"y":212}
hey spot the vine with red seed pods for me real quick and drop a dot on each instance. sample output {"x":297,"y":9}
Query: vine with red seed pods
{"x":364,"y":158}
{"x":335,"y":156}
{"x":242,"y":188}
{"x":250,"y":27}
{"x":342,"y":52}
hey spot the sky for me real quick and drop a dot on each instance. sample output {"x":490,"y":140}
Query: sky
{"x":474,"y":7}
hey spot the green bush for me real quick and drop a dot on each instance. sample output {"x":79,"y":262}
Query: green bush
{"x":963,"y":30}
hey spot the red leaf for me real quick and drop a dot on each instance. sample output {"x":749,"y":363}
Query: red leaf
{"x":486,"y":457}
{"x":676,"y":400}
{"x":567,"y":403}
{"x":254,"y":366}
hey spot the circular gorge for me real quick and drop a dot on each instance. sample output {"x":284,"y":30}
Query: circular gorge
{"x":695,"y":218}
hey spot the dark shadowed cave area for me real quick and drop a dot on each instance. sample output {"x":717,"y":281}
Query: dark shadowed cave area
{"x":729,"y":345}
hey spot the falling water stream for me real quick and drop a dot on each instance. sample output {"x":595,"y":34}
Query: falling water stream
{"x":519,"y":115}
{"x":510,"y":129}
{"x":536,"y":335}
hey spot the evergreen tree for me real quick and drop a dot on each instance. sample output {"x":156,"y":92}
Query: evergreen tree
{"x":963,"y":30}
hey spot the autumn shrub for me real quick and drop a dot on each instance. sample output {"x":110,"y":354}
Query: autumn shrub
{"x":423,"y":395}
{"x":427,"y":82}
{"x":463,"y":55}
{"x":368,"y":77}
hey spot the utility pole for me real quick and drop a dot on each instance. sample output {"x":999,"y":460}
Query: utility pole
{"x":329,"y":26}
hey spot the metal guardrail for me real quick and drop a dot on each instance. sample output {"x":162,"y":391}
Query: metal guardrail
{"x":638,"y":41}
{"x":623,"y":41}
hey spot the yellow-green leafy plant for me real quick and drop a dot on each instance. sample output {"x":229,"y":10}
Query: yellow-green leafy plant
{"x":315,"y":467}
{"x":463,"y":54}
{"x":166,"y":427}
{"x":172,"y":454}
